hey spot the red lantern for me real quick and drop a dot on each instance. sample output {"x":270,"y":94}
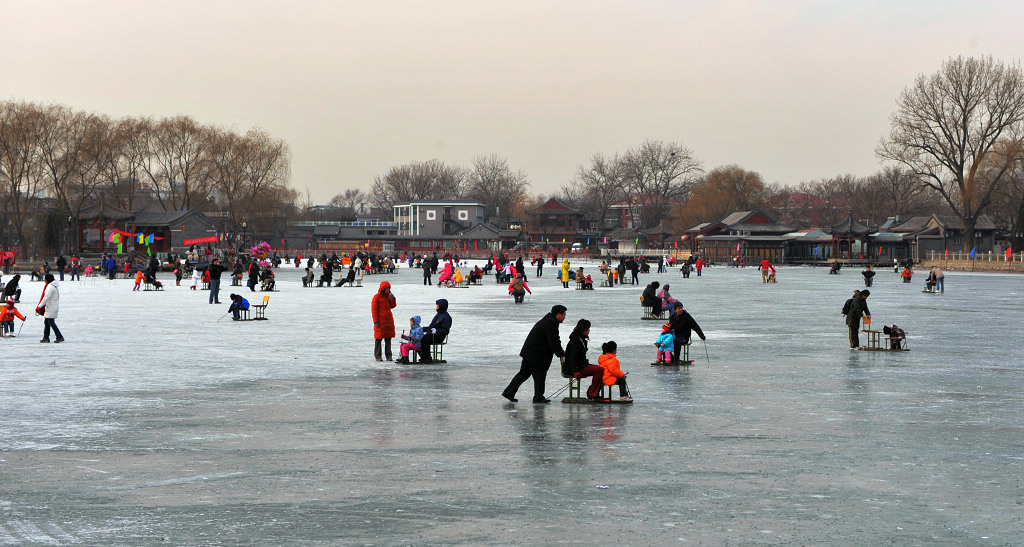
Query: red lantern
{"x":686,"y":238}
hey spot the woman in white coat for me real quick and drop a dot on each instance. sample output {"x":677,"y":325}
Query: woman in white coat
{"x":49,"y":305}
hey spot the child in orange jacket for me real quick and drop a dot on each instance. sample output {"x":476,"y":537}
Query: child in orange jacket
{"x":138,"y":279}
{"x":7,"y":315}
{"x":613,"y":375}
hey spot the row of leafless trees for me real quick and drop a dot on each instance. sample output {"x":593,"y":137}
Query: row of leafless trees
{"x":56,"y":161}
{"x":489,"y":180}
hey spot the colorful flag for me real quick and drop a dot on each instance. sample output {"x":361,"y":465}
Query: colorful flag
{"x":737,"y":246}
{"x":972,"y":252}
{"x":1008,"y":252}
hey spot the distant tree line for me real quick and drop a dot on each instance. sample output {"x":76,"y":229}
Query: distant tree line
{"x":955,"y":146}
{"x":56,"y":161}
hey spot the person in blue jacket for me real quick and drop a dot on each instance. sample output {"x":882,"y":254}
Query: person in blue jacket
{"x":436,"y":331}
{"x":238,"y":303}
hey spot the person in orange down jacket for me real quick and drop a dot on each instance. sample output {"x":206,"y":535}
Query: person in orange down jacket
{"x":7,"y":315}
{"x":383,"y":321}
{"x":613,"y":375}
{"x":138,"y":279}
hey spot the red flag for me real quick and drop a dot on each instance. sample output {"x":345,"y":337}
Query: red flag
{"x":947,"y":252}
{"x":879,"y":250}
{"x":1009,"y":252}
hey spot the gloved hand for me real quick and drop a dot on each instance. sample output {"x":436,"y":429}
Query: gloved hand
{"x":376,"y":325}
{"x":703,"y":338}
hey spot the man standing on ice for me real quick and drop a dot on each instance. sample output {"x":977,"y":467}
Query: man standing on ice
{"x":215,"y":270}
{"x":541,"y":345}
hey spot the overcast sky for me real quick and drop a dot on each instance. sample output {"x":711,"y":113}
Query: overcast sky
{"x":795,"y":90}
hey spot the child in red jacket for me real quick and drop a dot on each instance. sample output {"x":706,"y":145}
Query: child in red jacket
{"x":7,"y":315}
{"x":613,"y":375}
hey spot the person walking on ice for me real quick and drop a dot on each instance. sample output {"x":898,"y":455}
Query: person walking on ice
{"x":540,"y":347}
{"x":49,"y":305}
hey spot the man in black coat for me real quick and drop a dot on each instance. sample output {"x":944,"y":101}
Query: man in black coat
{"x":682,"y":323}
{"x":541,"y":345}
{"x":214,"y":269}
{"x":651,"y":299}
{"x":61,"y":264}
{"x":436,"y":331}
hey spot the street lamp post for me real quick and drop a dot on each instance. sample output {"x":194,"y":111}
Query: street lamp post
{"x":245,"y":238}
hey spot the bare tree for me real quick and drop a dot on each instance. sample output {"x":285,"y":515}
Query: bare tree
{"x":20,"y":175}
{"x":596,"y":187}
{"x":418,"y":181}
{"x":947,"y":127}
{"x":654,"y":176}
{"x":62,"y":140}
{"x":174,"y":165}
{"x":350,"y":202}
{"x":245,"y":166}
{"x":121,"y":158}
{"x":494,"y":184}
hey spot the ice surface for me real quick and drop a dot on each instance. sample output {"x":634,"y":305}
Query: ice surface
{"x":157,"y":422}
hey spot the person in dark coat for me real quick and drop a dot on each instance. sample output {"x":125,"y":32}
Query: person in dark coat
{"x":436,"y":331}
{"x":682,"y":323}
{"x":541,"y":345}
{"x":540,"y":265}
{"x":254,"y":275}
{"x":576,"y":363}
{"x":12,"y":290}
{"x":426,"y":266}
{"x":858,"y":309}
{"x":651,"y":299}
{"x":215,"y":269}
{"x":61,"y":264}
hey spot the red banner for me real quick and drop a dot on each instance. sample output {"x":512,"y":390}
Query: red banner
{"x":198,"y":240}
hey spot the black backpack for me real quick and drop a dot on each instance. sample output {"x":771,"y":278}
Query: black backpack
{"x":846,"y":306}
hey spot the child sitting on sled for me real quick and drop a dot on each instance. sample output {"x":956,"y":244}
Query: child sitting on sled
{"x":666,"y":344}
{"x":7,"y":315}
{"x":613,"y":375}
{"x":413,"y":339}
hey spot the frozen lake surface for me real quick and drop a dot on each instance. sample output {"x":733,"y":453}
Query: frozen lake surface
{"x":157,"y":423}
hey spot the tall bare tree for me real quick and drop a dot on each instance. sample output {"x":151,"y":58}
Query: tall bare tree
{"x":494,"y":184}
{"x":245,"y":166}
{"x":596,"y":187}
{"x":430,"y":179}
{"x":350,"y":202}
{"x":174,"y":165}
{"x":947,"y":126}
{"x":121,"y":159}
{"x":20,"y":175}
{"x":654,"y":176}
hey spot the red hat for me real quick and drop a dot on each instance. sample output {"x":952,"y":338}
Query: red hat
{"x":10,"y":301}
{"x":666,"y":327}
